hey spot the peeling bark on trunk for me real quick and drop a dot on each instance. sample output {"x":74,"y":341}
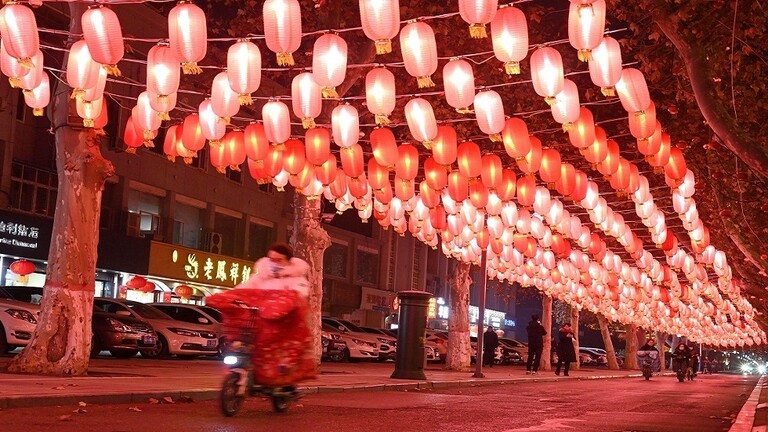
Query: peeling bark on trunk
{"x":309,"y":241}
{"x":605,"y":332}
{"x":459,"y":349}
{"x":630,"y":353}
{"x":574,"y":313}
{"x":61,"y":343}
{"x":546,"y":321}
{"x":719,"y":118}
{"x":661,"y":340}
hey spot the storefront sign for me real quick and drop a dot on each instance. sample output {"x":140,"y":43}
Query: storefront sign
{"x":175,"y":262}
{"x":24,"y":235}
{"x":376,"y":300}
{"x":432,"y":308}
{"x":492,"y":317}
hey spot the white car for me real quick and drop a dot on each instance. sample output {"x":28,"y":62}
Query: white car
{"x":17,"y":323}
{"x":360,"y":345}
{"x":387,"y":342}
{"x":203,"y":315}
{"x":185,"y":340}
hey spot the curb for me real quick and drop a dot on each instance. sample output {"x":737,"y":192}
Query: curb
{"x":746,"y":418}
{"x":209,"y":394}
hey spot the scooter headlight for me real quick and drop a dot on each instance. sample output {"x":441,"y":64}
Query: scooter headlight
{"x":746,"y":368}
{"x":761,"y":369}
{"x":231,"y":360}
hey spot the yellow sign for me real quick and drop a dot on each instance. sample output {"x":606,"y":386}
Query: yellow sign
{"x":432,"y":308}
{"x":192,"y":265}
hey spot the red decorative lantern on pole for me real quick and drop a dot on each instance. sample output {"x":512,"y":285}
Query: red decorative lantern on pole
{"x":136,"y":282}
{"x":184,"y":291}
{"x":22,"y":268}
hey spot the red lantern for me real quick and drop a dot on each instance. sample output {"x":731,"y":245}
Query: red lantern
{"x":235,"y":148}
{"x":282,"y":28}
{"x":136,"y":282}
{"x":294,"y":156}
{"x":469,"y":159}
{"x":352,"y":161}
{"x":438,"y":218}
{"x":273,"y":164}
{"x":22,"y":268}
{"x":435,"y":175}
{"x":458,"y":186}
{"x":256,"y":142}
{"x":598,"y":150}
{"x":417,"y":43}
{"x":407,"y":166}
{"x":188,"y":35}
{"x":102,"y":33}
{"x":478,"y":193}
{"x":358,"y":186}
{"x":526,"y":190}
{"x":661,"y":157}
{"x":326,"y":172}
{"x":610,"y":164}
{"x":384,"y":147}
{"x":219,"y":157}
{"x":381,"y":22}
{"x":549,"y":171}
{"x":620,"y":179}
{"x":192,"y":137}
{"x":642,"y":124}
{"x":566,"y":183}
{"x":582,"y":134}
{"x":491,"y":171}
{"x":133,"y":139}
{"x":508,"y":185}
{"x":404,"y":188}
{"x":532,"y":160}
{"x":318,"y":145}
{"x":429,"y":197}
{"x":509,"y":33}
{"x":675,"y":168}
{"x":148,"y":288}
{"x":184,"y":291}
{"x":517,"y":142}
{"x":444,"y":147}
{"x":378,"y":176}
{"x":580,"y":181}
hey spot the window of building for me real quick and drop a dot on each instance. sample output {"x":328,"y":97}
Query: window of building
{"x":144,"y":211}
{"x":260,"y":237}
{"x":367,"y":266}
{"x":187,"y":225}
{"x":21,"y":107}
{"x":267,"y":188}
{"x":226,"y":232}
{"x":33,"y":190}
{"x":335,"y":260}
{"x":235,"y":176}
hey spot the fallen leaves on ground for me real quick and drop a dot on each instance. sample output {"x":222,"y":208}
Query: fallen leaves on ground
{"x":134,"y":408}
{"x":65,"y":417}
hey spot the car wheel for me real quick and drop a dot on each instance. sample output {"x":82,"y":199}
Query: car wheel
{"x":95,"y":346}
{"x":4,"y":347}
{"x":160,"y":350}
{"x":123,"y":353}
{"x":339,"y":356}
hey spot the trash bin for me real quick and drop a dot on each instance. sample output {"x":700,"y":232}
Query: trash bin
{"x":411,"y":334}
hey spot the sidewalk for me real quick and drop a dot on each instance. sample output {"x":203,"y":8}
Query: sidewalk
{"x":753,"y":416}
{"x":137,"y":380}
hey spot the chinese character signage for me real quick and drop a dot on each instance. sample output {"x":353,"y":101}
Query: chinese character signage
{"x":176,"y":262}
{"x":24,"y":235}
{"x":376,"y":300}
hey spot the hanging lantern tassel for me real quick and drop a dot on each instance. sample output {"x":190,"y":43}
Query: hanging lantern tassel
{"x":382,"y":120}
{"x":38,"y":112}
{"x":245,"y":99}
{"x":425,"y":81}
{"x":495,"y":137}
{"x":285,"y":59}
{"x":99,"y":132}
{"x":549,"y":100}
{"x":163,"y":116}
{"x":130,"y":150}
{"x":308,"y":122}
{"x":191,"y":68}
{"x":512,"y":68}
{"x":608,"y":91}
{"x":214,"y":143}
{"x":330,"y":93}
{"x":187,"y":160}
{"x":477,"y":31}
{"x":88,"y":123}
{"x":225,"y":120}
{"x":26,"y":62}
{"x":427,"y":144}
{"x":148,"y":137}
{"x":383,"y":46}
{"x":235,"y":167}
{"x":567,"y":126}
{"x":112,"y":70}
{"x":77,"y":93}
{"x":14,"y":82}
{"x":585,"y":55}
{"x":221,"y":169}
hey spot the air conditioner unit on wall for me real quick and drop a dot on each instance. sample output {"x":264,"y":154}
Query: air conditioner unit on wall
{"x":212,"y":242}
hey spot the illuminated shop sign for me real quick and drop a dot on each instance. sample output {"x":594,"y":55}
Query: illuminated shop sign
{"x":192,"y":265}
{"x":24,"y":235}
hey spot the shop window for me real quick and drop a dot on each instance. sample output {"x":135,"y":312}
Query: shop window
{"x":187,"y":225}
{"x":260,"y":237}
{"x":235,"y":176}
{"x":33,"y":190}
{"x":225,"y":230}
{"x":335,"y":260}
{"x":143,"y":214}
{"x":366,"y":267}
{"x":267,"y":188}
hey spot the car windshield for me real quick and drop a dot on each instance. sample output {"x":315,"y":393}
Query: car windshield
{"x":510,"y":342}
{"x":23,"y":294}
{"x":351,"y":326}
{"x":146,"y":311}
{"x":370,"y":330}
{"x":214,"y":313}
{"x":389,"y":333}
{"x":329,"y":328}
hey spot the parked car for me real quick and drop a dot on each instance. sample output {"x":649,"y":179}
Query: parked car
{"x":384,"y":343}
{"x":431,"y":350}
{"x":26,"y":294}
{"x":190,"y":313}
{"x":513,"y":351}
{"x":334,"y":348}
{"x":359,"y":346}
{"x":18,"y":320}
{"x":497,"y":357}
{"x":123,"y":336}
{"x":598,"y":356}
{"x":174,"y":337}
{"x":388,"y":347}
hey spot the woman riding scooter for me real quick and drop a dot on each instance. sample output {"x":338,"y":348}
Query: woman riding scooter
{"x":648,"y":358}
{"x":681,"y":360}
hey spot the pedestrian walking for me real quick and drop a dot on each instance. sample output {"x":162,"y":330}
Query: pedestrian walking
{"x":490,"y":342}
{"x":566,"y":353}
{"x":536,"y":333}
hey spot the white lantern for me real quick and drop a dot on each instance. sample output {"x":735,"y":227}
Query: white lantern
{"x":459,"y":82}
{"x":82,"y":71}
{"x":478,"y":13}
{"x":421,"y":121}
{"x":39,"y":97}
{"x":225,"y":102}
{"x":565,"y":108}
{"x":381,"y":22}
{"x":244,"y":69}
{"x":509,"y":33}
{"x":417,"y":43}
{"x":102,"y":32}
{"x":605,"y":65}
{"x":380,"y":94}
{"x":282,"y":28}
{"x":329,"y":63}
{"x":188,"y":35}
{"x":345,"y":123}
{"x":633,"y":90}
{"x":489,"y":111}
{"x":277,"y":122}
{"x":547,"y":72}
{"x":306,"y":99}
{"x":212,"y":127}
{"x":163,"y":73}
{"x":586,"y":25}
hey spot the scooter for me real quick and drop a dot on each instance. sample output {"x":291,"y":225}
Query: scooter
{"x":648,"y":359}
{"x":239,"y":383}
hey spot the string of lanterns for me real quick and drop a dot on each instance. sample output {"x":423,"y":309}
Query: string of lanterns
{"x":465,"y":199}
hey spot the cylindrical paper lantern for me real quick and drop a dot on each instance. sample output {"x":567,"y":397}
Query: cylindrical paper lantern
{"x":633,"y":91}
{"x":225,"y":102}
{"x":277,"y":123}
{"x":306,"y":99}
{"x":318,"y":145}
{"x":282,"y":28}
{"x":547,"y":72}
{"x":244,"y":69}
{"x":421,"y":121}
{"x":102,"y":33}
{"x":419,"y":49}
{"x":459,"y":83}
{"x":163,"y":74}
{"x":489,"y":111}
{"x":381,"y":22}
{"x":188,"y":35}
{"x":380,"y":94}
{"x":329,"y":63}
{"x":605,"y":65}
{"x":478,"y":13}
{"x":345,"y":123}
{"x":509,"y":32}
{"x":586,"y":25}
{"x":384,"y":147}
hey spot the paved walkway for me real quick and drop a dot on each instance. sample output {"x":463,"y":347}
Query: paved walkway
{"x":136,"y":380}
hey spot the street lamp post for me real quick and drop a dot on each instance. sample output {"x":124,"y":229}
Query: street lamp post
{"x":481,"y":319}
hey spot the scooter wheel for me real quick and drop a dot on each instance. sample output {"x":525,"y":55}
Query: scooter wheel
{"x":280,"y":403}
{"x":229,"y":398}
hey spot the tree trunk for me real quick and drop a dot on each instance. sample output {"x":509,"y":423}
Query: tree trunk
{"x":661,"y":341}
{"x":630,"y":353}
{"x":61,"y":343}
{"x":717,"y":115}
{"x":309,"y":241}
{"x":605,"y":332}
{"x":675,"y":341}
{"x":459,"y":349}
{"x":546,"y":321}
{"x":574,"y":312}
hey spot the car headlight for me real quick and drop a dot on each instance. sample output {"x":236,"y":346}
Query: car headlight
{"x":118,"y":326}
{"x":385,"y":341}
{"x":761,"y":369}
{"x":185,"y":332}
{"x":746,"y":368}
{"x":22,"y":315}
